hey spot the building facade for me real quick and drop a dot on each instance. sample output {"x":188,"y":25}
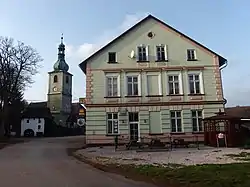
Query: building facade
{"x":34,"y":120}
{"x":60,"y":88}
{"x":151,"y":81}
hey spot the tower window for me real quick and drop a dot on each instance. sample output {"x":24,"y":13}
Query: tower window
{"x":55,"y":78}
{"x":67,"y":79}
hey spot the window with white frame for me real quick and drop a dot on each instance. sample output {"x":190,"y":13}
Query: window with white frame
{"x":176,"y":122}
{"x":112,"y":85}
{"x":161,"y":53}
{"x":197,"y":120}
{"x":191,"y":54}
{"x":173,"y":84}
{"x":132,"y":86}
{"x":194,"y":83}
{"x":142,"y":53}
{"x":112,"y":123}
{"x":154,"y":86}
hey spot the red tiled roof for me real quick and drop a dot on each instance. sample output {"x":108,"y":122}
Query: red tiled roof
{"x":239,"y":112}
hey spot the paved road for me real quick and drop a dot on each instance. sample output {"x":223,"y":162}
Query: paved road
{"x":44,"y":163}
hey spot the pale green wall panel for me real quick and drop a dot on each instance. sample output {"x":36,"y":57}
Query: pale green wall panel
{"x":155,"y":122}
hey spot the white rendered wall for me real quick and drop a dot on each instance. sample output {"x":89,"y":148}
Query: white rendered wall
{"x":32,"y":123}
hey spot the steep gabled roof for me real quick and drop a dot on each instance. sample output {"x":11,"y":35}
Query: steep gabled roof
{"x":82,"y":65}
{"x":38,"y":104}
{"x":36,"y":112}
{"x":75,"y":108}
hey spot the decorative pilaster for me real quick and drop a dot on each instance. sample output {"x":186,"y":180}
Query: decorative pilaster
{"x":89,"y":85}
{"x":218,"y":81}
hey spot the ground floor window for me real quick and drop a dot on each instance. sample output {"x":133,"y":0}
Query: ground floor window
{"x":134,"y":126}
{"x":176,"y":124}
{"x":197,"y":121}
{"x":112,"y":123}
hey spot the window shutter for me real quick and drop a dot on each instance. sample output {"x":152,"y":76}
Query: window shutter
{"x":139,"y":84}
{"x":119,"y":85}
{"x":166,"y":52}
{"x":195,"y":55}
{"x":180,"y":83}
{"x":188,"y":83}
{"x":137,"y":53}
{"x":106,"y":86}
{"x":147,"y":52}
{"x":160,"y":84}
{"x":201,"y":83}
{"x":167,"y":86}
{"x":125,"y":84}
{"x":147,"y":86}
{"x":156,"y":53}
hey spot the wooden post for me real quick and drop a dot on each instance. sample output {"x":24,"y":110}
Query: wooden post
{"x":170,"y":141}
{"x":225,"y":138}
{"x":217,"y":141}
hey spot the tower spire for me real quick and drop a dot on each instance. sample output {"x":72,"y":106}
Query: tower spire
{"x":62,"y":39}
{"x":61,"y":64}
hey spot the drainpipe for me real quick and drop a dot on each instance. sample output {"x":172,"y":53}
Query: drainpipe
{"x":225,"y":65}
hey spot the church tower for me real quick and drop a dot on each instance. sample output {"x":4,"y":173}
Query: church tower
{"x":60,"y":88}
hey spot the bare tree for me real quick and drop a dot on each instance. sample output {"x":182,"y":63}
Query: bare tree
{"x":18,"y":64}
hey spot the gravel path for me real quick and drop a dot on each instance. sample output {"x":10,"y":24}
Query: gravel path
{"x":44,"y":163}
{"x":184,"y":156}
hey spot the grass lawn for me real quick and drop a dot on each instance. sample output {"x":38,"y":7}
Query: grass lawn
{"x":228,"y":175}
{"x":212,"y":175}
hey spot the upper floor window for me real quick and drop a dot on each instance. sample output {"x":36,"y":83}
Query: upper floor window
{"x":132,"y":85}
{"x":112,"y":123}
{"x":173,"y":84}
{"x":194,"y":83}
{"x":112,"y":57}
{"x":161,"y":53}
{"x":191,"y":55}
{"x":176,"y":124}
{"x":112,"y":86}
{"x":197,"y":121}
{"x":67,"y":79}
{"x":142,"y":53}
{"x":55,"y":78}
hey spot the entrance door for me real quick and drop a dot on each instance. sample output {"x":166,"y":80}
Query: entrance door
{"x":134,"y":126}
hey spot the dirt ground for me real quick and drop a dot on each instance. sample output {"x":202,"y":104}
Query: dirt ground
{"x":183,"y":156}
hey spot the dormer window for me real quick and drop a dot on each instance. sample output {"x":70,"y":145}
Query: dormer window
{"x":112,"y":57}
{"x":191,"y":55}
